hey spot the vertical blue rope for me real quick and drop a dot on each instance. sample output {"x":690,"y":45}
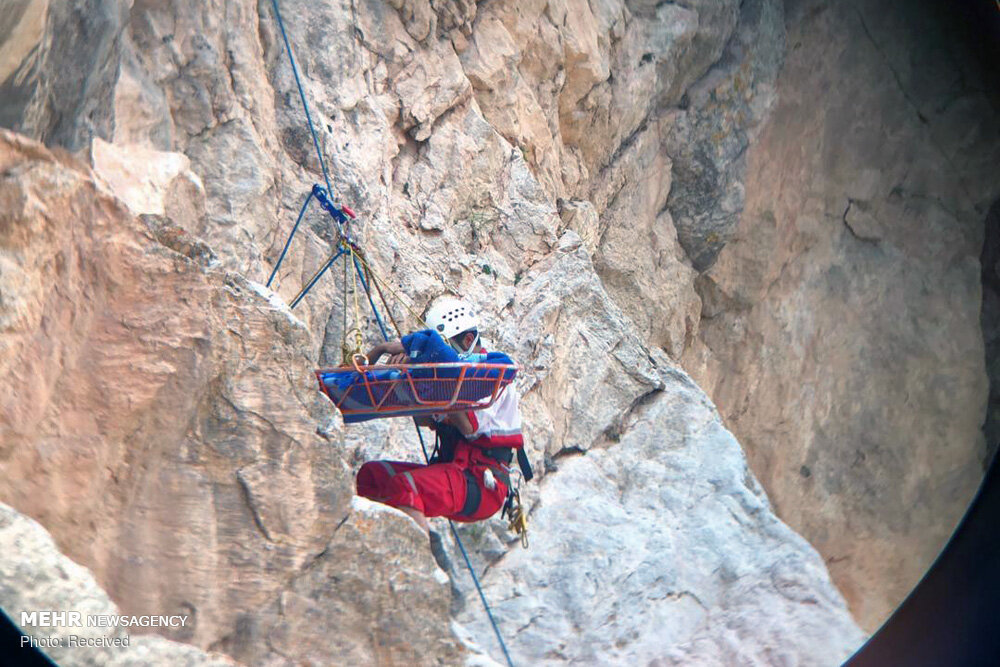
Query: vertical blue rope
{"x":371,"y":302}
{"x":329,"y":188}
{"x":482,"y":595}
{"x":302,"y":95}
{"x":468,"y":563}
{"x":289,"y":241}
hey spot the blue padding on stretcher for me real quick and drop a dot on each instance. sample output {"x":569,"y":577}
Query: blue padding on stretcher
{"x":347,"y":384}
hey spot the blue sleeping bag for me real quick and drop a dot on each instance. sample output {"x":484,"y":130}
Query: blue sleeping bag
{"x":347,"y":389}
{"x":427,"y":347}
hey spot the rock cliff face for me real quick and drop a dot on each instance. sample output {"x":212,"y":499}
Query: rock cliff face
{"x":667,"y":549}
{"x":596,"y":177}
{"x":163,"y":425}
{"x":36,"y":577}
{"x":840,"y":330}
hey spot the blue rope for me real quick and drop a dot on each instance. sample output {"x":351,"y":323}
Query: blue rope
{"x":289,"y":241}
{"x":302,"y":95}
{"x":482,"y":595}
{"x":340,"y":251}
{"x":326,"y":177}
{"x":368,"y":293}
{"x":468,"y":563}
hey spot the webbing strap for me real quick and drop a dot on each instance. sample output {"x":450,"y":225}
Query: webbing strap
{"x":524,"y":464}
{"x":473,"y":496}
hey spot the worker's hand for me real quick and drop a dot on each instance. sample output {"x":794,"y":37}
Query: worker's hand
{"x":375,"y":353}
{"x":489,"y":479}
{"x":400,"y":358}
{"x":393,"y":348}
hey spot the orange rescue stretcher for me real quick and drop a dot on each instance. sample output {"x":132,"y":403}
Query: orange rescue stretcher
{"x":363,"y":392}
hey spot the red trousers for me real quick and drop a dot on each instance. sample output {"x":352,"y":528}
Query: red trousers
{"x":440,"y":489}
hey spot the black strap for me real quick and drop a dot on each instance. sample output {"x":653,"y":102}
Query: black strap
{"x":524,"y":464}
{"x":437,"y":445}
{"x":447,"y":436}
{"x":506,"y":454}
{"x":473,"y":496}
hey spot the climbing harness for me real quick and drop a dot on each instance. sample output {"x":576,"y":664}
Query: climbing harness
{"x":363,"y":274}
{"x":502,"y":457}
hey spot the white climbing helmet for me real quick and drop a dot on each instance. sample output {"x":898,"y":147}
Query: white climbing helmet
{"x":450,"y":317}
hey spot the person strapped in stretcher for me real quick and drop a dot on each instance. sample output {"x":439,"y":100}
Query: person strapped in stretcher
{"x":468,"y":478}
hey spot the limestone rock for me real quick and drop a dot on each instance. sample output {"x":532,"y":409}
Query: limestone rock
{"x":568,"y":83}
{"x":708,"y":140}
{"x":34,"y":576}
{"x":164,"y":421}
{"x":661,"y":548}
{"x":344,"y":590}
{"x":428,"y":87}
{"x":639,"y":259}
{"x":575,"y":345}
{"x":194,"y":82}
{"x":143,"y":178}
{"x":580,"y":216}
{"x":58,"y":68}
{"x":842,"y":322}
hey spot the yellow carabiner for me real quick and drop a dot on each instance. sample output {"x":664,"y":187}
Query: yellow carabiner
{"x":518,"y":519}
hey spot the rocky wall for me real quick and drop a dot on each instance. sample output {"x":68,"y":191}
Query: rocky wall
{"x":165,"y":426}
{"x":840,"y":329}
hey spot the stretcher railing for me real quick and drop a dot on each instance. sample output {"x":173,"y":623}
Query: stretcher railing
{"x":363,"y":392}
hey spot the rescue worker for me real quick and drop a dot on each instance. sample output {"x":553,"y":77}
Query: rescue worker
{"x":468,"y":478}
